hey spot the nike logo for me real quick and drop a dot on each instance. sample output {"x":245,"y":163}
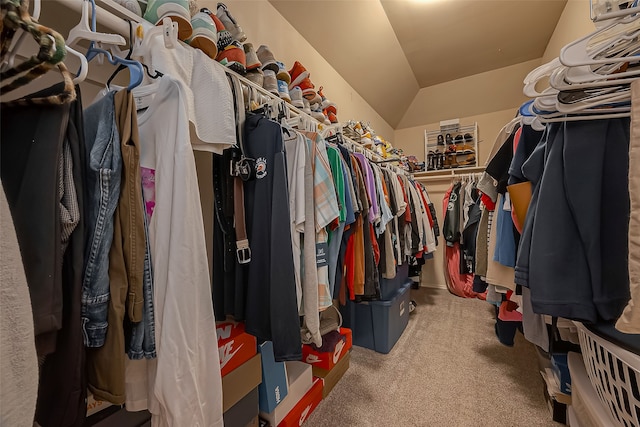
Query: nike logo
{"x":312,"y":358}
{"x":338,"y":351}
{"x":305,"y":414}
{"x":226,"y":354}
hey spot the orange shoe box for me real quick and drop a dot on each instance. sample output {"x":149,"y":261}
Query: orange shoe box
{"x":235,"y":346}
{"x":300,"y":413}
{"x":327,"y":360}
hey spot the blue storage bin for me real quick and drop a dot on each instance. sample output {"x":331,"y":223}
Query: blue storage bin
{"x":390,"y":287}
{"x":561,"y":369}
{"x":377,"y":325}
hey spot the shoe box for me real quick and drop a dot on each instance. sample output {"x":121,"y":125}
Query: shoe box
{"x":300,"y":379}
{"x":238,"y":383}
{"x":327,"y":360}
{"x":235,"y":346}
{"x":244,"y":413}
{"x":331,"y":377}
{"x":274,"y":387}
{"x":302,"y":409}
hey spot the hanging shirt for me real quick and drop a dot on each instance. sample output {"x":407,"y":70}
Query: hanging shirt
{"x":182,"y":387}
{"x":369,"y":180}
{"x":208,"y":95}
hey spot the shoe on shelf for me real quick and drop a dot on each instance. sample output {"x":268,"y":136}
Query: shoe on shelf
{"x":131,"y":5}
{"x":282,"y":73}
{"x":256,"y":76}
{"x":306,"y":106}
{"x":296,"y":97}
{"x":459,"y":139}
{"x":268,"y":60}
{"x":252,"y":59}
{"x":176,"y":10}
{"x":234,"y":58}
{"x":464,"y":149}
{"x":469,"y":161}
{"x":326,"y":104}
{"x":270,"y":82}
{"x":430,"y":161}
{"x":440,"y":139}
{"x":205,"y":34}
{"x":332,"y":116}
{"x":468,"y":137}
{"x":283,"y":90}
{"x":229,"y":23}
{"x":308,"y":91}
{"x":298,"y":73}
{"x":448,"y":139}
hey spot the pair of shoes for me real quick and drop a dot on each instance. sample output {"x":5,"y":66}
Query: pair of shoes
{"x":464,"y":149}
{"x":300,"y":78}
{"x":233,"y":57}
{"x":297,"y":100}
{"x":440,"y":139}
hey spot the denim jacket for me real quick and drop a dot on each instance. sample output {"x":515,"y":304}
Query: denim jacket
{"x":103,"y":189}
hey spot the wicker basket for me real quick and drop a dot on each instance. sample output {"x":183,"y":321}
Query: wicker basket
{"x":615,"y":375}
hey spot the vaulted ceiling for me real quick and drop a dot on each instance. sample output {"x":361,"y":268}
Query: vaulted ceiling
{"x":388,"y":50}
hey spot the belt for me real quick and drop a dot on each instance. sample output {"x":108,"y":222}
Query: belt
{"x":243,"y":251}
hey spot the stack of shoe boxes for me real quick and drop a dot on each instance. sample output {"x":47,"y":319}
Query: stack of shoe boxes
{"x":330,"y":365}
{"x":241,"y":370}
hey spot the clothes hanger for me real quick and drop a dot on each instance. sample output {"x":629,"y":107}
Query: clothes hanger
{"x":82,"y":31}
{"x":84,"y":65}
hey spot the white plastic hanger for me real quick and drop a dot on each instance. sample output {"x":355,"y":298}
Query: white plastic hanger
{"x":538,"y":74}
{"x":579,"y":53}
{"x":82,"y":31}
{"x":84,"y":65}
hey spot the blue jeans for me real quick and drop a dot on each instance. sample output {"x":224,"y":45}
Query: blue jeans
{"x":103,"y":190}
{"x":143,"y":338}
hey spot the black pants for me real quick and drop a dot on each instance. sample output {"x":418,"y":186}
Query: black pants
{"x":272,"y":309}
{"x":32,"y":138}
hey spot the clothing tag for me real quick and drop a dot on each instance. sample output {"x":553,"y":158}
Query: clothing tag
{"x":507,"y":203}
{"x":322,"y":254}
{"x":143,"y":101}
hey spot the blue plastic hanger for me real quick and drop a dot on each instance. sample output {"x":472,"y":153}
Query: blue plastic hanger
{"x":136,"y":72}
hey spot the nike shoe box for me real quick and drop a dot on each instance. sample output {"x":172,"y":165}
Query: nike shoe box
{"x":331,"y":378}
{"x":240,"y":382}
{"x":327,"y":360}
{"x":305,"y":407}
{"x":234,"y":345}
{"x":243,"y":413}
{"x":274,"y":387}
{"x":300,"y":380}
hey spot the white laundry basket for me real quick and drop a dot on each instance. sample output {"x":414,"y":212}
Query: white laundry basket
{"x":615,"y":374}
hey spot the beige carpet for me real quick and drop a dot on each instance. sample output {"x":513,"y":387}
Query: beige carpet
{"x":447,"y":369}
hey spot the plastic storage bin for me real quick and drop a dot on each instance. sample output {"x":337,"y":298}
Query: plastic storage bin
{"x":378,"y":325}
{"x":586,"y":408}
{"x":615,"y":375}
{"x":390,"y":287}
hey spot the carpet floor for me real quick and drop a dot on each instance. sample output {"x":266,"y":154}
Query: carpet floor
{"x":447,"y":369}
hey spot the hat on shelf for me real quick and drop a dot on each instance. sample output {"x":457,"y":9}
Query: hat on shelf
{"x":176,"y":10}
{"x":205,"y":34}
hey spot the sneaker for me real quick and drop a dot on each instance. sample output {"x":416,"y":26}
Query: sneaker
{"x":308,"y":91}
{"x":298,"y":73}
{"x":268,"y":60}
{"x":448,"y":139}
{"x":252,"y":59}
{"x":316,"y":113}
{"x":283,"y":90}
{"x":131,"y":5}
{"x":332,"y":116}
{"x":326,"y":104}
{"x":224,"y":36}
{"x":282,"y":73}
{"x":464,"y":149}
{"x":440,"y":140}
{"x":306,"y":106}
{"x":270,"y":82}
{"x":229,"y":23}
{"x":177,"y":10}
{"x":296,"y":97}
{"x":205,"y":34}
{"x":256,"y":76}
{"x":468,"y":137}
{"x":233,"y":57}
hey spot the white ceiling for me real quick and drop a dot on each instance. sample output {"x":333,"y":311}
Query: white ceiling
{"x":388,"y":49}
